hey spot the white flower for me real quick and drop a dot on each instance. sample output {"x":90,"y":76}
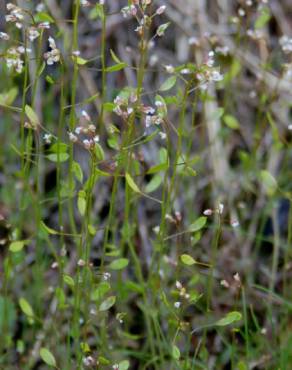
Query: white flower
{"x":162,"y":135}
{"x":40,"y":7}
{"x":286,"y":44}
{"x":169,"y":68}
{"x":220,"y":208}
{"x":193,"y":41}
{"x":208,"y":212}
{"x":161,"y":9}
{"x":4,"y":36}
{"x":48,"y":138}
{"x":44,"y":25}
{"x":96,"y":139}
{"x":177,"y":304}
{"x":216,"y":76}
{"x":234,"y":223}
{"x":52,"y":56}
{"x":33,"y":33}
{"x":73,"y":137}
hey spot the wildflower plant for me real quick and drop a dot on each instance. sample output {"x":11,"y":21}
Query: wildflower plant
{"x":146,"y":155}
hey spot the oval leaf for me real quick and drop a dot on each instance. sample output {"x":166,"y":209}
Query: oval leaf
{"x":108,"y":303}
{"x":270,"y":183}
{"x":187,"y":259}
{"x":47,"y":357}
{"x":26,"y":307}
{"x":175,"y":352}
{"x":132,"y":183}
{"x":16,"y":246}
{"x":119,"y":264}
{"x":230,"y":318}
{"x":198,"y":224}
{"x":168,"y":84}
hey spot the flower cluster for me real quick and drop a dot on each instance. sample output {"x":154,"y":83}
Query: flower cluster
{"x":85,"y":133}
{"x":182,"y":293}
{"x":286,"y":44}
{"x":52,"y":56}
{"x":124,"y":107}
{"x":15,"y":15}
{"x":13,"y":58}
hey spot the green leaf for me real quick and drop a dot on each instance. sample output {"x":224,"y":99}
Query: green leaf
{"x":43,"y":17}
{"x":116,"y":67}
{"x":154,"y":184}
{"x":230,"y":318}
{"x":100,"y":291}
{"x":81,"y":202}
{"x":119,"y":264}
{"x":7,"y":314}
{"x":218,"y":113}
{"x":187,"y":259}
{"x":32,"y":116}
{"x":61,"y":157}
{"x":168,"y":84}
{"x":48,"y":357}
{"x":107,"y":304}
{"x":162,"y":28}
{"x":263,"y":18}
{"x":269,"y":182}
{"x":77,"y":171}
{"x":47,"y":229}
{"x":241,"y":366}
{"x":162,"y":108}
{"x":99,"y":152}
{"x":8,"y":97}
{"x":132,"y":183}
{"x":80,"y":61}
{"x":16,"y":246}
{"x":115,"y":58}
{"x":92,"y":230}
{"x":68,"y":280}
{"x":59,"y":148}
{"x":97,"y":12}
{"x":26,"y":307}
{"x":157,"y":168}
{"x":124,"y":365}
{"x":198,"y":224}
{"x":175,"y":352}
{"x":231,"y":122}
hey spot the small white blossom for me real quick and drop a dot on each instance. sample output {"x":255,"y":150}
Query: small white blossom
{"x":220,"y":208}
{"x":234,"y":223}
{"x":216,"y":76}
{"x":177,"y":304}
{"x":169,"y":68}
{"x":224,"y":283}
{"x":286,"y":44}
{"x":193,"y":41}
{"x":208,"y":212}
{"x":33,"y":33}
{"x":241,"y":12}
{"x":4,"y":36}
{"x":48,"y":138}
{"x":81,"y":263}
{"x":106,"y":276}
{"x":73,"y":137}
{"x":161,"y":9}
{"x":162,"y":135}
{"x":54,"y":55}
{"x":54,"y":265}
{"x":40,"y":7}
